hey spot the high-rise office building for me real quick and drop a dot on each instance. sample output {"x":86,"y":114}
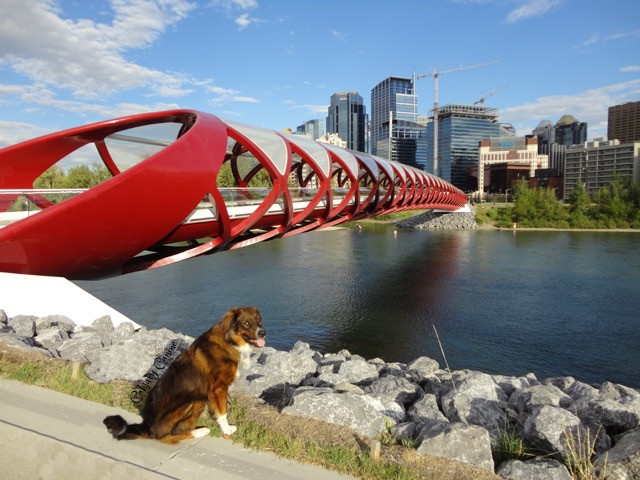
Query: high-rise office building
{"x":311,"y":128}
{"x":348,"y":118}
{"x":570,"y":131}
{"x":624,"y":122}
{"x":553,"y":140}
{"x":396,"y":132}
{"x":460,"y":128}
{"x":545,"y":132}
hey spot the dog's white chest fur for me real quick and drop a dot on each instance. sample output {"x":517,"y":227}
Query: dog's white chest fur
{"x":245,"y":358}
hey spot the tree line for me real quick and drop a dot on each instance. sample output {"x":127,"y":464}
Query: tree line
{"x":616,"y":205}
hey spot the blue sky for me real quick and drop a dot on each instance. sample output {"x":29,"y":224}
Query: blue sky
{"x":275,"y":64}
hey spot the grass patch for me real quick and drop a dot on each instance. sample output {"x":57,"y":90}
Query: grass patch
{"x":64,"y":377}
{"x":579,"y":454}
{"x":509,"y":445}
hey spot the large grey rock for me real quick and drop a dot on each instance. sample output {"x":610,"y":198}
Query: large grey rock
{"x":51,"y":338}
{"x":404,"y":431}
{"x":615,"y":416}
{"x":622,"y":462}
{"x":543,"y":469}
{"x":290,"y":367}
{"x":477,"y":399}
{"x":361,"y":413}
{"x":511,"y":384}
{"x":579,"y":390}
{"x":425,"y":410}
{"x":462,"y":442}
{"x":329,"y":363}
{"x":273,"y":374}
{"x":422,"y":369}
{"x":394,"y":388}
{"x":22,"y":342}
{"x":555,"y":430}
{"x":61,"y":321}
{"x":563,"y":383}
{"x":16,"y":340}
{"x":122,"y":332}
{"x":3,"y":317}
{"x":358,"y":371}
{"x":80,"y":346}
{"x":526,"y":399}
{"x":133,"y":358}
{"x":23,"y":325}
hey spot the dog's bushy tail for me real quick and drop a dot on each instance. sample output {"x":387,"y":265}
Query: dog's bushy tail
{"x":121,"y":430}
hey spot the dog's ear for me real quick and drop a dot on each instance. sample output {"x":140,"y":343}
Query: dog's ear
{"x":229,"y":319}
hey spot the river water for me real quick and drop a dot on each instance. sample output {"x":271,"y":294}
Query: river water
{"x":551,"y":303}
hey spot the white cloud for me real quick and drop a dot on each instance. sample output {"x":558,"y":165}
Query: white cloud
{"x":84,"y":56}
{"x":227,"y":95}
{"x":231,"y":4}
{"x":532,"y":8}
{"x":243,"y":21}
{"x":311,"y":109}
{"x":338,"y":35}
{"x":590,"y":106}
{"x":242,"y":99}
{"x":630,"y":68}
{"x":602,"y":38}
{"x":16,"y":132}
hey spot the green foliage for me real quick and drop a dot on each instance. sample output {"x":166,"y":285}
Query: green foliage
{"x":617,"y":203}
{"x":509,"y":445}
{"x":54,"y":177}
{"x":614,"y":206}
{"x":225,"y":178}
{"x":579,"y":200}
{"x":79,"y":176}
{"x":536,"y":208}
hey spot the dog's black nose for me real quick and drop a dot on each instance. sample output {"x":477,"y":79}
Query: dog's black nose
{"x":262,"y":333}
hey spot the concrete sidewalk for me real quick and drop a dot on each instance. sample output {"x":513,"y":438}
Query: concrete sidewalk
{"x":50,"y":435}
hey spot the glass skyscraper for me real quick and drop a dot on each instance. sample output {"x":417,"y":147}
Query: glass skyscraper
{"x":404,"y":140}
{"x":460,"y":129}
{"x":570,"y":131}
{"x":348,"y":118}
{"x":312,"y":128}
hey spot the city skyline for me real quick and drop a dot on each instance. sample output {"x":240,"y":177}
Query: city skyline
{"x":276,"y":64}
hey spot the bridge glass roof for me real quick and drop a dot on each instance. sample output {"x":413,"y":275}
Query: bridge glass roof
{"x":272,"y":144}
{"x":314,"y":150}
{"x":348,"y":159}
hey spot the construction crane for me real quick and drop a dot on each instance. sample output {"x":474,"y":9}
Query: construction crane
{"x":481,"y":100}
{"x":436,"y":74}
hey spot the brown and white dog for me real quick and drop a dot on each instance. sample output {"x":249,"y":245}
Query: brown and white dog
{"x":200,"y":377}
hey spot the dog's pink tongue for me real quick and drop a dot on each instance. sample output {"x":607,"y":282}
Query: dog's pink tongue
{"x":259,"y":343}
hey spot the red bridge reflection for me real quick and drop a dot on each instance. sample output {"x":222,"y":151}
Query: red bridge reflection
{"x":164,"y":204}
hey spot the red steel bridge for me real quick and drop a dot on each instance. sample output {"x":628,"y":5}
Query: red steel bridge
{"x":164,"y":201}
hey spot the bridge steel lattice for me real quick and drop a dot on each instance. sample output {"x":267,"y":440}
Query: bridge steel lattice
{"x":165,"y":199}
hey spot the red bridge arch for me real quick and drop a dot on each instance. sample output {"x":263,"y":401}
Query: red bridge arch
{"x":163,"y":203}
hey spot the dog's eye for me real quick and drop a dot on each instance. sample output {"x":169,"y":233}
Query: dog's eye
{"x":245,"y":324}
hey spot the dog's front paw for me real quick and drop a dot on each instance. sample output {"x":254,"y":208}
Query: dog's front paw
{"x":225,"y":427}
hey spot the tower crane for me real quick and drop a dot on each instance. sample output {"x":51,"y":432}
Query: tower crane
{"x":436,"y":74}
{"x":481,"y":100}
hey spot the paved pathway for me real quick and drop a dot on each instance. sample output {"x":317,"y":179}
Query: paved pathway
{"x":48,"y":435}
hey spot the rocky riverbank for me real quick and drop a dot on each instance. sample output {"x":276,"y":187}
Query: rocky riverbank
{"x":456,"y":415}
{"x":440,"y":221}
